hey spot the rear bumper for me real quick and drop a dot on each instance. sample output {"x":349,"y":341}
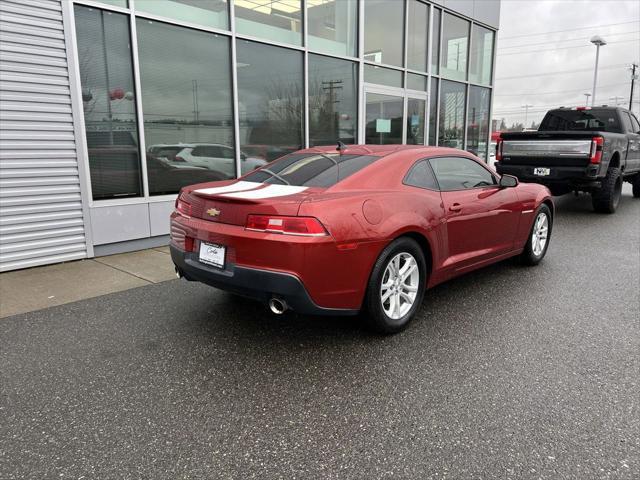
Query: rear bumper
{"x":560,"y":176}
{"x":260,"y":285}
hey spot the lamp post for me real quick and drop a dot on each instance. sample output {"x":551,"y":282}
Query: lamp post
{"x":526,"y":113}
{"x":598,"y":41}
{"x":587,"y":95}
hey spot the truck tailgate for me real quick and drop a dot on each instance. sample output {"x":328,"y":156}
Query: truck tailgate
{"x":538,"y":148}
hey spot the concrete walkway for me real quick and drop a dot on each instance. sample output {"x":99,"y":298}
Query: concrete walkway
{"x":41,"y":287}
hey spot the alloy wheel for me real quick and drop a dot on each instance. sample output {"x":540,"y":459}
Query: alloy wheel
{"x":399,"y":285}
{"x":540,"y":234}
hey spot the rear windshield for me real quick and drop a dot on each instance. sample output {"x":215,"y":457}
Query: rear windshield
{"x":311,"y":169}
{"x":585,"y":120}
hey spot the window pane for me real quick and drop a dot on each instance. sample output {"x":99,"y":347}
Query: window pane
{"x":417,"y":57}
{"x":455,"y":42}
{"x":278,"y":20}
{"x":212,"y":13}
{"x":187,"y":107}
{"x":106,"y":74}
{"x":415,"y":121}
{"x":333,"y":100}
{"x":384,"y":119}
{"x":433,"y":111}
{"x":312,"y":170}
{"x":416,"y":82}
{"x":333,"y":27}
{"x":481,"y":56}
{"x":452,"y":100}
{"x":455,"y":173}
{"x":115,"y":3}
{"x":270,"y":100}
{"x":478,"y":121}
{"x":435,"y":38}
{"x":384,"y":32}
{"x":421,"y":176}
{"x":383,"y":76}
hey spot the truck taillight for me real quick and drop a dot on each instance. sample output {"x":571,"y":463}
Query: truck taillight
{"x":499,"y":149}
{"x":597,"y":144}
{"x":307,"y":226}
{"x":182,"y":205}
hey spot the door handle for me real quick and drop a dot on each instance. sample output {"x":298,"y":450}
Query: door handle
{"x":456,"y":207}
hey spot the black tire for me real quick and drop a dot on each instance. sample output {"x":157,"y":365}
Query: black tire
{"x":636,"y":186}
{"x":374,"y":315}
{"x":607,"y":197}
{"x":529,"y":256}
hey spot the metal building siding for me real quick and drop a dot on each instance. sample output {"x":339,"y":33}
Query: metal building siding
{"x":41,"y":211}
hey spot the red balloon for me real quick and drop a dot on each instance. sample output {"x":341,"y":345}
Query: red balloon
{"x":116,"y":94}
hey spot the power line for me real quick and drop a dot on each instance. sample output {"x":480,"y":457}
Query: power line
{"x":566,"y":30}
{"x":563,"y":48}
{"x":561,"y":72}
{"x":556,"y":92}
{"x":576,"y":39}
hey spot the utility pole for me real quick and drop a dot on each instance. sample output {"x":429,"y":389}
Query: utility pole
{"x":587,"y":95}
{"x":526,"y":113}
{"x":634,"y":66}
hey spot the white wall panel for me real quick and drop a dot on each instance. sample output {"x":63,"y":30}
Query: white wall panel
{"x":41,"y":209}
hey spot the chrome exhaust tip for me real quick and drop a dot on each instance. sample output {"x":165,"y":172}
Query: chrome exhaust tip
{"x":178,"y":272}
{"x":277,"y":306}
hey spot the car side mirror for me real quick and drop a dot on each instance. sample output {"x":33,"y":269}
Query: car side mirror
{"x":508,"y":181}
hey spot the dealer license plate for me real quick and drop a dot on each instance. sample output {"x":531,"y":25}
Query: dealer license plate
{"x":212,"y":254}
{"x":542,"y":172}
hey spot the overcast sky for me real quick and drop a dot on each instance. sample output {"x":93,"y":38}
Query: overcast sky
{"x":537,"y":58}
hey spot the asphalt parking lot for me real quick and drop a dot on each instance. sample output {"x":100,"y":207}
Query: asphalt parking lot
{"x":509,"y":372}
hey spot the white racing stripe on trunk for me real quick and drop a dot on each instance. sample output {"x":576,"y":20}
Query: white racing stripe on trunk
{"x":234,"y":187}
{"x":268,"y":192}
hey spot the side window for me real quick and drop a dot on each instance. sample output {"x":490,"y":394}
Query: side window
{"x":457,"y":173}
{"x":198,"y":152}
{"x":636,"y":124}
{"x":626,"y":121}
{"x":421,"y":176}
{"x":226,"y":152}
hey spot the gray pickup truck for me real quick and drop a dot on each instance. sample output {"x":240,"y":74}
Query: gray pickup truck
{"x":577,"y":149}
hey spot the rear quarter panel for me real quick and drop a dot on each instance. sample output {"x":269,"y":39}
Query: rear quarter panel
{"x":531,"y":196}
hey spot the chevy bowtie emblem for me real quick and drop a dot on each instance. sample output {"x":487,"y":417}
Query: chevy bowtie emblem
{"x":214,"y":212}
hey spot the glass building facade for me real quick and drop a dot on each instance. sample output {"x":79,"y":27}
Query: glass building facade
{"x":177,"y":92}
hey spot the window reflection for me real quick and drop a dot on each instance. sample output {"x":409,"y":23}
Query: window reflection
{"x":435,"y":39}
{"x":478,"y":121}
{"x":278,"y":20}
{"x":270,"y":100}
{"x":333,"y":100}
{"x":418,"y":26}
{"x":481,"y":61}
{"x":415,"y":121}
{"x":384,"y":32}
{"x":332,"y":26}
{"x":451,"y":124}
{"x":212,"y":13}
{"x":384,"y":119}
{"x":455,"y":43}
{"x":383,"y":76}
{"x":188,"y":121}
{"x":433,"y":111}
{"x":106,"y":75}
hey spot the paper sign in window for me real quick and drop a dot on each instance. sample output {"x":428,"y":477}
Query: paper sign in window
{"x":383,"y":125}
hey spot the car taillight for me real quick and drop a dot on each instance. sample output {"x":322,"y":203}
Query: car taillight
{"x":183,"y":206}
{"x":308,"y":226}
{"x":499,"y":150}
{"x":597,"y":144}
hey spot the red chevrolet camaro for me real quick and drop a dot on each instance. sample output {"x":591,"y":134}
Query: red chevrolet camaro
{"x":359,"y":228}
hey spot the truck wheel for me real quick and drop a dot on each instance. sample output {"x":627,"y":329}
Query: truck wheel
{"x":539,"y":237}
{"x":636,"y":186}
{"x":396,"y":287}
{"x":607,"y":198}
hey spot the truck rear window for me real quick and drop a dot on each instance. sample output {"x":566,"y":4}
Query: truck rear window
{"x":311,"y":169}
{"x":581,"y":120}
